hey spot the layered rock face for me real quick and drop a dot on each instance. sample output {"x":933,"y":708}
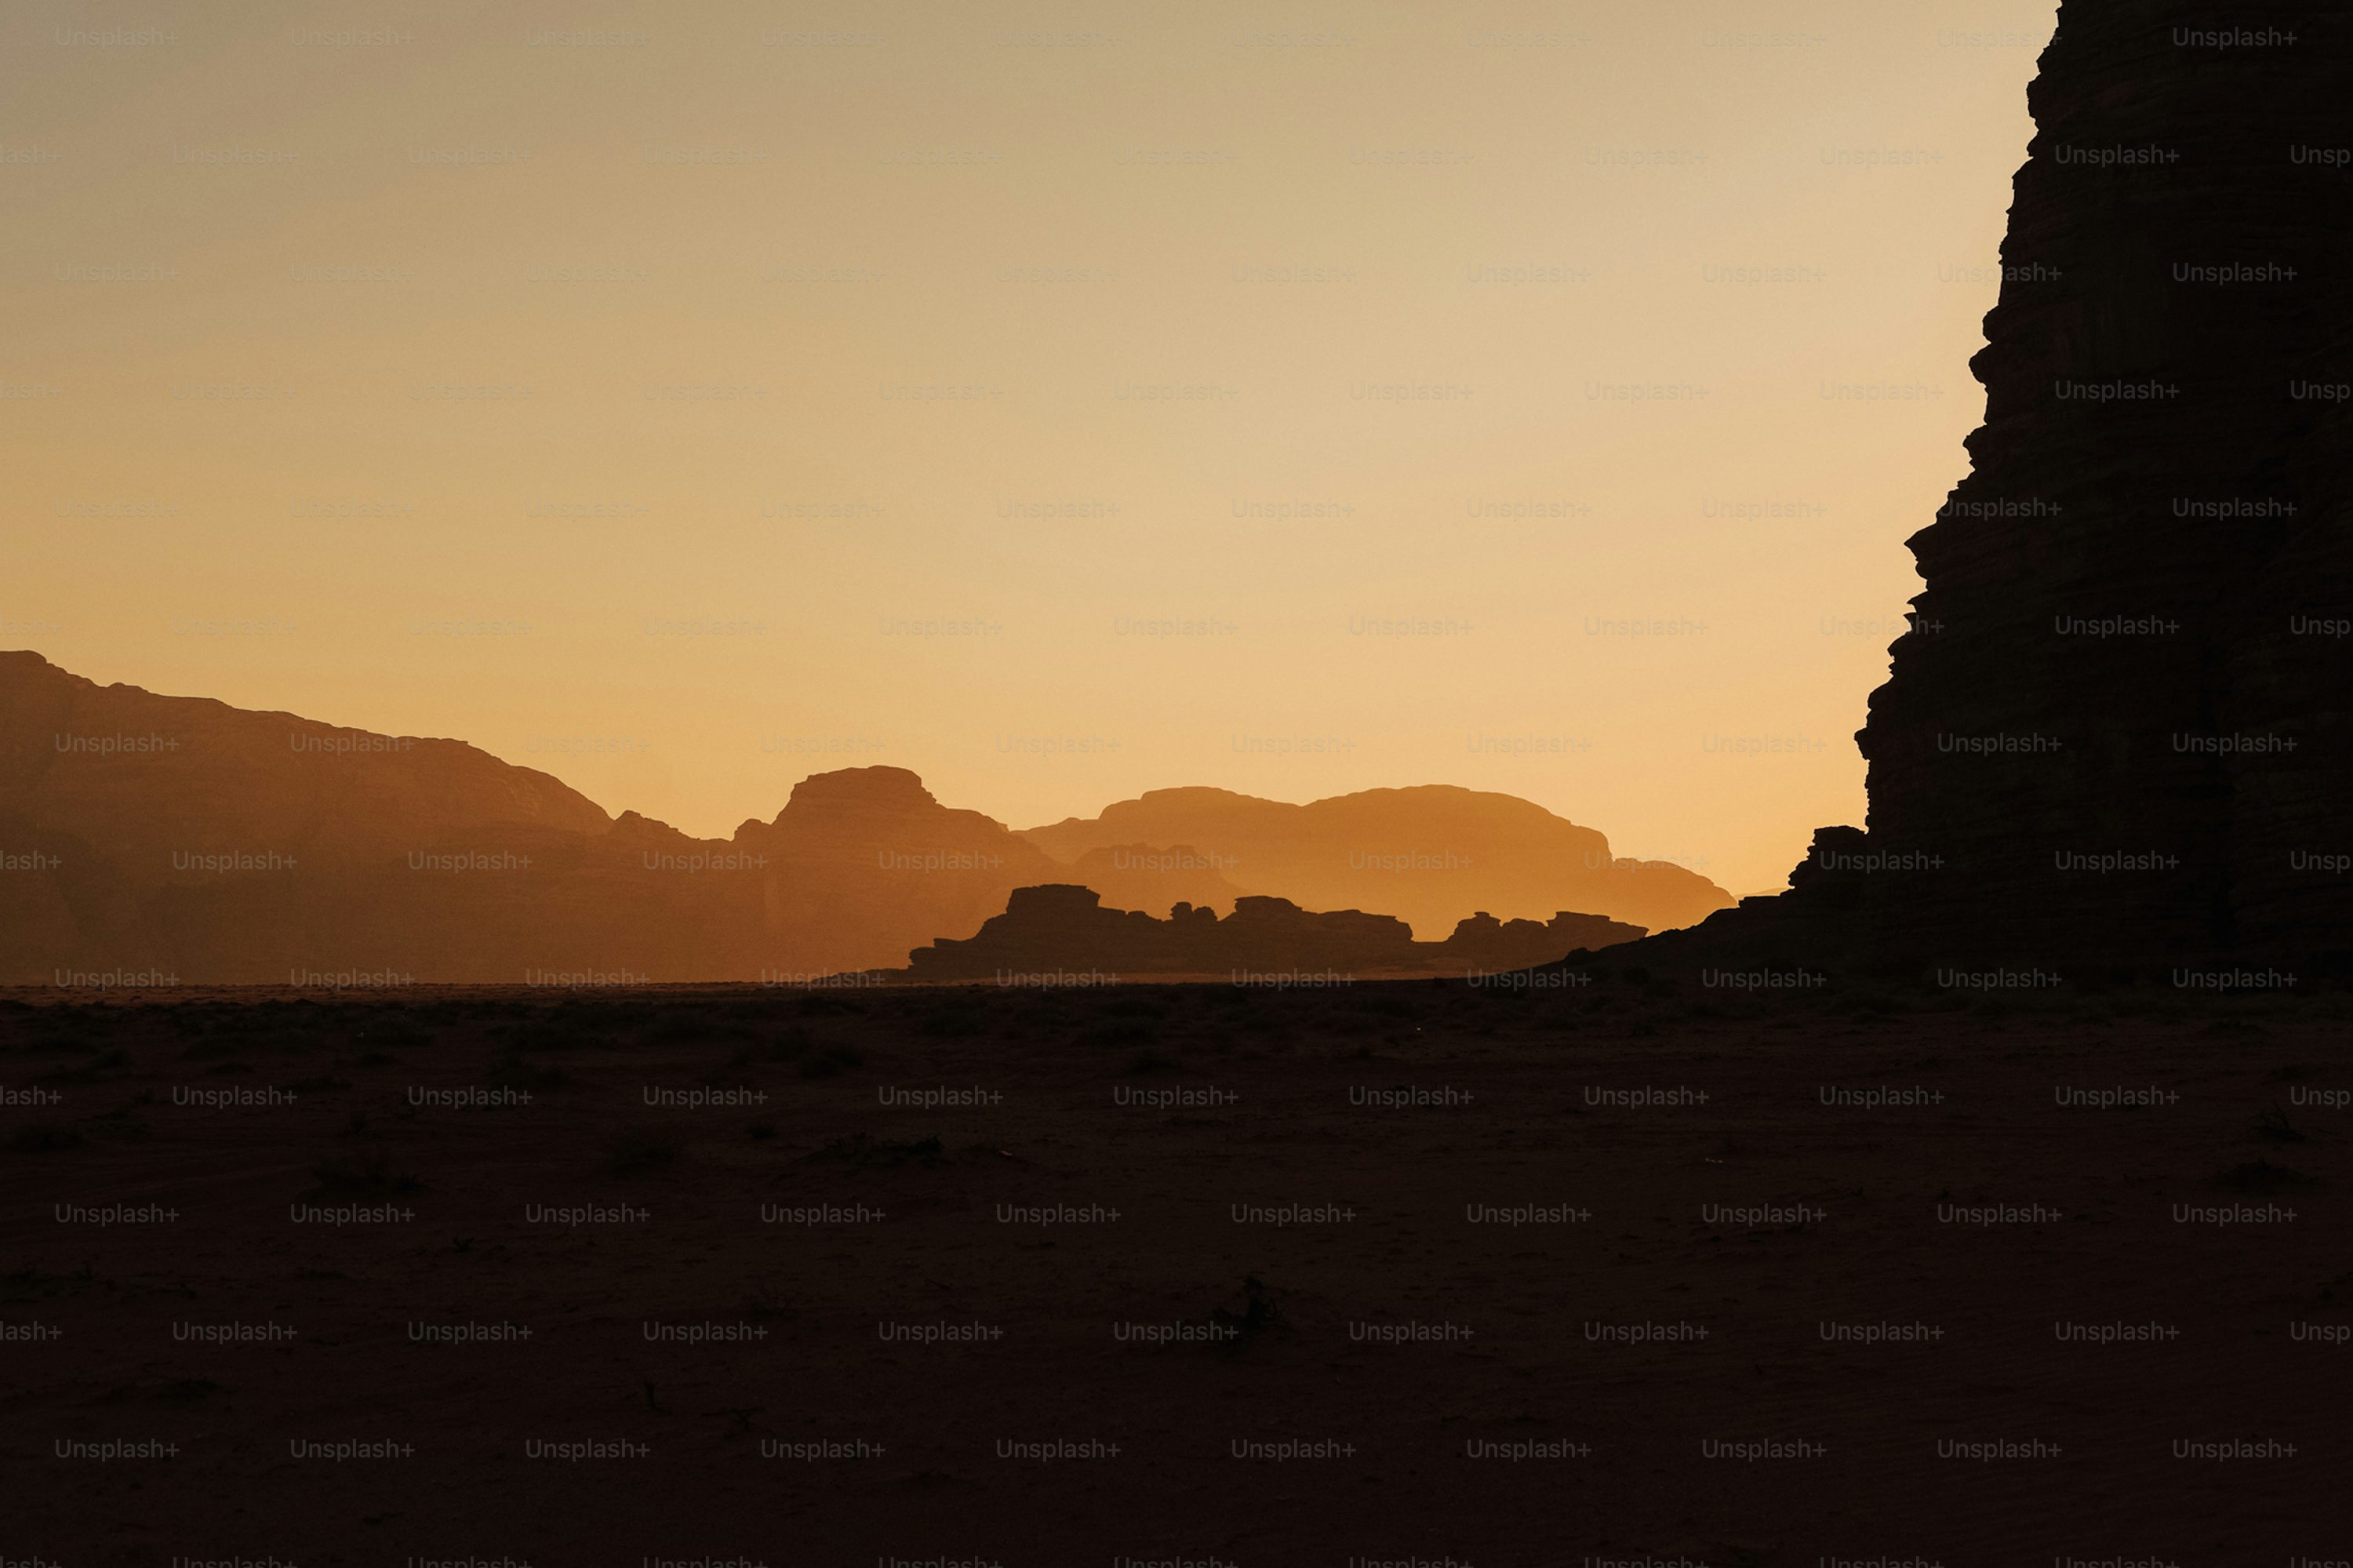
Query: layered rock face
{"x":1061,"y":935}
{"x":2122,"y":725}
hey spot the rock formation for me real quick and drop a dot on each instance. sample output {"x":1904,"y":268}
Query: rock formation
{"x":145,"y":836}
{"x":2118,"y":731}
{"x":1061,"y":935}
{"x":863,"y":863}
{"x":1425,"y":855}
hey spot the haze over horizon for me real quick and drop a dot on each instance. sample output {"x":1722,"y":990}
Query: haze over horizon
{"x":1061,"y":405}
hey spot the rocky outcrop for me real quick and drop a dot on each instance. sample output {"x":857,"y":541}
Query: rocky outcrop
{"x":2121,"y":728}
{"x":1061,"y":935}
{"x":1481,"y":944}
{"x":1427,"y":854}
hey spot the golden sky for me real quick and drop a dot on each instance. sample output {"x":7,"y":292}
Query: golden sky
{"x":1059,"y":401}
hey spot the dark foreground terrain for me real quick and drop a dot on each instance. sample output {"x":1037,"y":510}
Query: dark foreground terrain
{"x":1969,"y":1324}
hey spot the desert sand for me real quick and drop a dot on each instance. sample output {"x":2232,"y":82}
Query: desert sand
{"x":1295,"y":1261}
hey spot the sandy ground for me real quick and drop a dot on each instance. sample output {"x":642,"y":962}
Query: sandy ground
{"x":1362,"y":1358}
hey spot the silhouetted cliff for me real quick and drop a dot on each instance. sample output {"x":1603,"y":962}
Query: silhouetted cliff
{"x":2119,"y":729}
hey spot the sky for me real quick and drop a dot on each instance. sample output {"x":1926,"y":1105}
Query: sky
{"x":1059,"y":401}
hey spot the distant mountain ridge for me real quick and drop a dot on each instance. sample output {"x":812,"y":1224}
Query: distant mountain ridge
{"x":1431,"y":854}
{"x":143,"y":835}
{"x":182,"y":835}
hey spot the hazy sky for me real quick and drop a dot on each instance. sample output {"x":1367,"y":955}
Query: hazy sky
{"x":1059,"y":401}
